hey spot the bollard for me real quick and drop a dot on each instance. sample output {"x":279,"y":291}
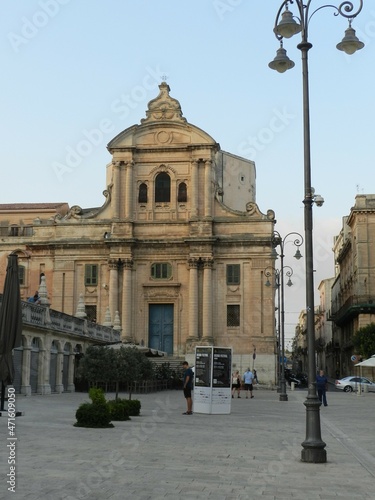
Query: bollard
{"x":292,"y":385}
{"x":365,"y":388}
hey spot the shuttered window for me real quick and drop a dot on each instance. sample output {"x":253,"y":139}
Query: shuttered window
{"x":233,"y":274}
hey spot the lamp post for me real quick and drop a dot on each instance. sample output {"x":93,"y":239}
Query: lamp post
{"x":268,"y":272}
{"x":287,"y":25}
{"x":278,"y":241}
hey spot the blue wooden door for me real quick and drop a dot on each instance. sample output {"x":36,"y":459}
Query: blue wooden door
{"x":161,"y":327}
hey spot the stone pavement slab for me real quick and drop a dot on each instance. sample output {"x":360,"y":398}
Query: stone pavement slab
{"x":252,"y":453}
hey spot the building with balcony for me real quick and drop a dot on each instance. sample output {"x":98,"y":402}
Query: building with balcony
{"x":353,"y":290}
{"x":323,"y":330}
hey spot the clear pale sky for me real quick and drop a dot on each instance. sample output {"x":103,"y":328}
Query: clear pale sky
{"x":77,"y":72}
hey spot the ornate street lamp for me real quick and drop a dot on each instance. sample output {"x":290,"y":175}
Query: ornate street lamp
{"x":287,"y":25}
{"x":279,"y":284}
{"x":278,"y":241}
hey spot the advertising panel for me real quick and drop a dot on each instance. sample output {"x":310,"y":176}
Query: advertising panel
{"x":212,"y":380}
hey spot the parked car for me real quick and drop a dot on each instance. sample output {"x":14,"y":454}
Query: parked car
{"x":350,"y":384}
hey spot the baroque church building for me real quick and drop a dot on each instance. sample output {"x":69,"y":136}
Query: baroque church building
{"x":176,"y":255}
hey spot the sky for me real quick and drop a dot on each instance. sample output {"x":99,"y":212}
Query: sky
{"x":78,"y":72}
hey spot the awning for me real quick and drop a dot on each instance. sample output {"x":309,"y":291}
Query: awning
{"x":147,"y":351}
{"x":368,"y":362}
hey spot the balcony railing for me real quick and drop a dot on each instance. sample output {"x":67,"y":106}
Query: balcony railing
{"x":352,"y":307}
{"x":48,"y":319}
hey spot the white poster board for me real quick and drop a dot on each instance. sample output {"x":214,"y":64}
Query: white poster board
{"x":212,"y":380}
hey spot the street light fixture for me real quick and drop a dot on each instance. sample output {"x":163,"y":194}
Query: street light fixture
{"x":268,"y":272}
{"x":287,"y":25}
{"x":278,"y":241}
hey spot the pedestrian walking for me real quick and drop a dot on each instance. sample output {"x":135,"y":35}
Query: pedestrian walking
{"x":248,"y":378}
{"x":188,"y":385}
{"x":236,"y":384}
{"x":322,"y":386}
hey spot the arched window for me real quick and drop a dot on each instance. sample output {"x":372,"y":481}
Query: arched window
{"x":162,"y":188}
{"x":182,"y":192}
{"x":142,"y":194}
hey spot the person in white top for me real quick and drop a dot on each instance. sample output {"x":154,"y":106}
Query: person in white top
{"x":236,"y":384}
{"x":248,"y":378}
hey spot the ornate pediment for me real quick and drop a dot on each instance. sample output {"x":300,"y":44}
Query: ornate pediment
{"x":164,"y":107}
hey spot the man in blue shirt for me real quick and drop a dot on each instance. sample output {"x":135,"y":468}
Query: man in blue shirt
{"x":248,"y":378}
{"x":188,"y":385}
{"x":322,"y":385}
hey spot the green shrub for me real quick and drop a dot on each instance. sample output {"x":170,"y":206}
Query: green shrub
{"x":118,"y":410}
{"x":133,"y":406}
{"x":93,"y":415}
{"x":97,"y":396}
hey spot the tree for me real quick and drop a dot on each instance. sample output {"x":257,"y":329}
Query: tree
{"x":125,"y":365}
{"x":364,"y":341}
{"x":97,"y":365}
{"x":132,"y":366}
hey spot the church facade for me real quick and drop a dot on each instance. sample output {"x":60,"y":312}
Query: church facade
{"x":176,"y":255}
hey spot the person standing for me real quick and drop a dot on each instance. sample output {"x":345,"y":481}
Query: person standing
{"x":322,"y":386}
{"x":188,"y":385}
{"x":236,"y":384}
{"x":248,"y":378}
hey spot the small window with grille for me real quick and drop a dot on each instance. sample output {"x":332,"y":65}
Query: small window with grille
{"x":233,"y":315}
{"x":91,"y":313}
{"x":233,"y":274}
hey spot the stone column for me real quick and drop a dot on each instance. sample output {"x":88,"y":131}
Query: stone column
{"x":193,"y":299}
{"x":194,"y":189}
{"x":129,"y":190}
{"x":126,"y":317}
{"x":46,"y":389}
{"x":207,"y":302}
{"x":113,"y":286}
{"x":72,"y":359}
{"x":208,"y":188}
{"x":59,"y":371}
{"x":116,"y":189}
{"x":26,"y":362}
{"x":43,"y":372}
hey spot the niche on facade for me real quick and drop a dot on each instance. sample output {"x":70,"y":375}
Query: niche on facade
{"x":142,"y":193}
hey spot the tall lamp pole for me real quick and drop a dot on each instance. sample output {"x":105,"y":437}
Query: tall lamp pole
{"x":287,"y":25}
{"x":278,"y":241}
{"x":268,"y":272}
{"x":279,"y":273}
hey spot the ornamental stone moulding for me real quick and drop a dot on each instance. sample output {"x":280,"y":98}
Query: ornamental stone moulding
{"x":164,"y":107}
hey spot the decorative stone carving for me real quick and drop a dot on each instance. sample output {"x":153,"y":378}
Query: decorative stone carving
{"x":81,"y":311}
{"x":164,"y":107}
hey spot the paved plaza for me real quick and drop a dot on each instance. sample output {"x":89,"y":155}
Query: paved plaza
{"x":252,"y":453}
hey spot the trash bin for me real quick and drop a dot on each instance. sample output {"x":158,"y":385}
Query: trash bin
{"x":365,"y":388}
{"x":292,"y":385}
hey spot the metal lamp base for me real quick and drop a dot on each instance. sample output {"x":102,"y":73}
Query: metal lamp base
{"x":314,"y":456}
